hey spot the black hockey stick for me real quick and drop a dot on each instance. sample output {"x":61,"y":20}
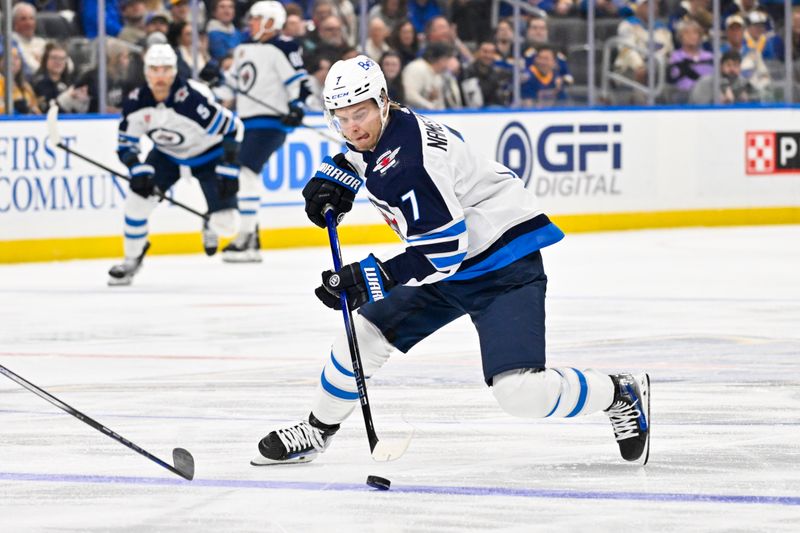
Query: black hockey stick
{"x":277,"y":112}
{"x":381,"y":450}
{"x":184,"y":462}
{"x":55,"y":140}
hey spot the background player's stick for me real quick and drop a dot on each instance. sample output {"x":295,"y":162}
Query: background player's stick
{"x":184,"y":462}
{"x":381,"y":450}
{"x":55,"y":140}
{"x":269,"y":107}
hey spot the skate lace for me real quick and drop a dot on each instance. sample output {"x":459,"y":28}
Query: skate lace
{"x":624,"y":417}
{"x":301,"y":437}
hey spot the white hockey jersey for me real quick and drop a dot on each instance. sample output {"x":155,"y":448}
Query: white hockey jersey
{"x":188,"y":126}
{"x":270,"y":72}
{"x":461,"y":215}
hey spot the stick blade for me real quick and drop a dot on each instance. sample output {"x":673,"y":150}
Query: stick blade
{"x":385,"y":451}
{"x":184,"y":463}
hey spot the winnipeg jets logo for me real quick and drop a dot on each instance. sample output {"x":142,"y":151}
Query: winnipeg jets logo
{"x":247,"y":76}
{"x":386,"y":161}
{"x":181,"y":94}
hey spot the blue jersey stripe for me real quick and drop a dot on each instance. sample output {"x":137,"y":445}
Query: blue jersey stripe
{"x":200,"y":159}
{"x":265,"y":123}
{"x":452,"y":231}
{"x":444,"y":262}
{"x":582,"y":395}
{"x":340,"y":368}
{"x":212,"y":128}
{"x":300,"y":74}
{"x":336,"y":391}
{"x":248,"y":212}
{"x":516,"y":249}
{"x":132,"y":236}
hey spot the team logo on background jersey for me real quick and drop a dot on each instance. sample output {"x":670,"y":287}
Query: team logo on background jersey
{"x":386,"y":161}
{"x":772,"y":152}
{"x":164,"y":137}
{"x":246,"y":76}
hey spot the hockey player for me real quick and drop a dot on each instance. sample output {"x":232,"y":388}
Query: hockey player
{"x":473,"y":235}
{"x":188,"y":128}
{"x":268,"y":70}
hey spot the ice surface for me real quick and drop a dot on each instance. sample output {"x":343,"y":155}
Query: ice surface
{"x":210,"y":356}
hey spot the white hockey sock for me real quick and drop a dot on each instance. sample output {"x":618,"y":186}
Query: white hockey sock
{"x":249,"y":199}
{"x":137,"y":211}
{"x":556,"y":392}
{"x":337,"y":395}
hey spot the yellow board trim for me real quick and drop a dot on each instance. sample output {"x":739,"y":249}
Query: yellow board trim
{"x":29,"y":250}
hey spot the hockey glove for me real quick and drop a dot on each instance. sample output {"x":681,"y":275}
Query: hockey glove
{"x":295,"y":115}
{"x":335,"y":184}
{"x":142,"y":179}
{"x":363,"y":282}
{"x":228,"y":176}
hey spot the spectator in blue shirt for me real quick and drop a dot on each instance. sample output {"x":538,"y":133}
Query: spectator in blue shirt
{"x":421,"y":11}
{"x":544,"y":87}
{"x":222,"y":33}
{"x":89,"y":17}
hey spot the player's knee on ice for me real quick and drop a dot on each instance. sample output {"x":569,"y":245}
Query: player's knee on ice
{"x":556,"y":392}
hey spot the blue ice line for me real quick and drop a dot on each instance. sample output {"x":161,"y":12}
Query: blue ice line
{"x":410,"y":489}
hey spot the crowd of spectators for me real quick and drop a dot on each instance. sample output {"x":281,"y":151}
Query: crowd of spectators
{"x":436,"y":54}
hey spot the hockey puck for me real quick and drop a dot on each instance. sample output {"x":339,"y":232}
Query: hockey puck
{"x":377,"y":482}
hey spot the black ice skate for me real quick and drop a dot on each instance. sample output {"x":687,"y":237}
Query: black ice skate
{"x":245,"y":248}
{"x":299,"y":443}
{"x":123,"y":273}
{"x":210,"y":240}
{"x":630,"y":416}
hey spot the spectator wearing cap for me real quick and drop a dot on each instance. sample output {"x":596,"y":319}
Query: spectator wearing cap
{"x":22,"y":95}
{"x":181,"y":11}
{"x":223,"y":36}
{"x":133,"y":22}
{"x":485,"y":84}
{"x":157,"y":23}
{"x":743,"y":8}
{"x":734,"y":88}
{"x":697,"y":10}
{"x":632,"y":59}
{"x":423,"y":81}
{"x":405,"y":41}
{"x":758,"y":38}
{"x":90,"y":14}
{"x":544,"y":87}
{"x":23,"y":17}
{"x":690,"y":62}
{"x":752,"y":65}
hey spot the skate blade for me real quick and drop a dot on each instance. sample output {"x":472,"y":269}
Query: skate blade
{"x":119,"y":282}
{"x":645,"y":404}
{"x":263,"y":461}
{"x":241,"y":258}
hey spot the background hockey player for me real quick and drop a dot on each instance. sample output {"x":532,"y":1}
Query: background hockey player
{"x":268,"y":70}
{"x":473,"y":235}
{"x":187,"y":128}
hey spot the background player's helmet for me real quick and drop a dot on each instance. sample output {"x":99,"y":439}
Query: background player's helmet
{"x":353,"y":81}
{"x":160,"y":55}
{"x":268,"y":10}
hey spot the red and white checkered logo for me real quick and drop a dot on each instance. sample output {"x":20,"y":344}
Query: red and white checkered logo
{"x":760,"y":152}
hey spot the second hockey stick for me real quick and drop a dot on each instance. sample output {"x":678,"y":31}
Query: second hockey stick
{"x":381,"y":450}
{"x":184,"y":462}
{"x":55,"y":140}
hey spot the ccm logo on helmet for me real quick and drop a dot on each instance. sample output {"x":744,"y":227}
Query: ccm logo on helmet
{"x":340,"y":95}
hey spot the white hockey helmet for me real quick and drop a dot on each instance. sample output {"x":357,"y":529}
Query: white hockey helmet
{"x":268,"y":10}
{"x":352,"y":81}
{"x":160,"y":55}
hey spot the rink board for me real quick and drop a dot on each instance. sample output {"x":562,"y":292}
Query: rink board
{"x":592,"y":170}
